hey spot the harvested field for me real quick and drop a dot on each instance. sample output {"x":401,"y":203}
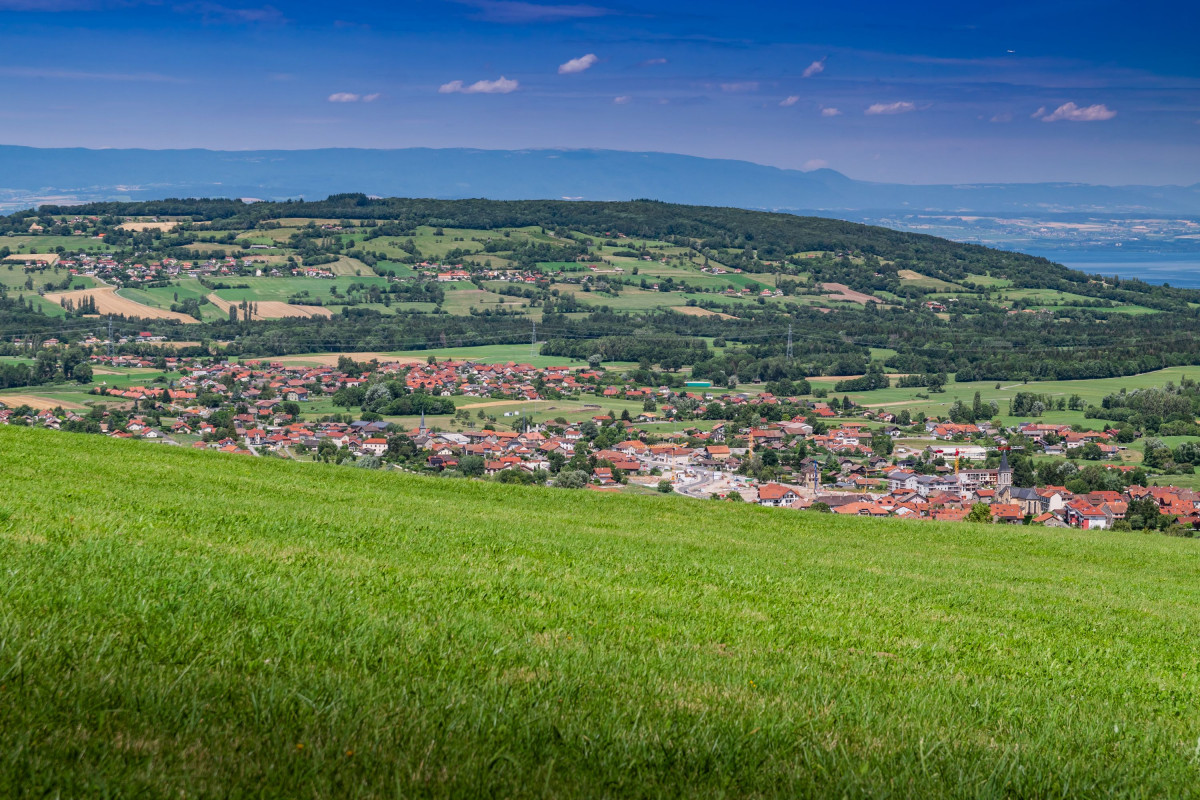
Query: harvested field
{"x":696,"y":311}
{"x":495,"y":404}
{"x":840,"y":291}
{"x":273,"y":309}
{"x":109,"y":302}
{"x":37,"y":402}
{"x":331,"y":359}
{"x":41,"y":258}
{"x":148,"y":226}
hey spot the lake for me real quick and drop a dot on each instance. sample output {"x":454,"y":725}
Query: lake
{"x":1177,"y":269}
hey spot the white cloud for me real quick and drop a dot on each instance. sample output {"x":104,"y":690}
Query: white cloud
{"x":901,"y":107}
{"x":815,"y":68}
{"x":578,"y":64}
{"x":790,"y":101}
{"x":816,"y":163}
{"x":1041,"y":112}
{"x":622,"y":100}
{"x":740,"y":86}
{"x":501,"y":86}
{"x":831,"y":112}
{"x":652,"y":62}
{"x":351,"y":97}
{"x":1005,"y":117}
{"x":1073,"y":113}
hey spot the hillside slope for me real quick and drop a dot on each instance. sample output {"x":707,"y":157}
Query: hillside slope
{"x":181,"y":623}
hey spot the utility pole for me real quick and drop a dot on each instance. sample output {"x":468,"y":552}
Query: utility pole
{"x":789,"y":349}
{"x":533,"y":342}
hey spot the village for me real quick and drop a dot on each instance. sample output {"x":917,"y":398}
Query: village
{"x":470,"y":419}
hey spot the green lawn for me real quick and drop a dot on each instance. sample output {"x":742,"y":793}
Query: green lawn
{"x":305,"y":630}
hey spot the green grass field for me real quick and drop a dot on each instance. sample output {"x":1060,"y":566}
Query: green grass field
{"x":309,"y":630}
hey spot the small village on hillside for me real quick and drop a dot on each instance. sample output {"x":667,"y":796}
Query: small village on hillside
{"x":697,"y":440}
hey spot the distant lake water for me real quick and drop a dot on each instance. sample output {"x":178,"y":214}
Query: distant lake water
{"x":1177,"y":269}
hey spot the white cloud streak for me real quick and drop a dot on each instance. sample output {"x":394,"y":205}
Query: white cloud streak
{"x":740,"y":86}
{"x":789,"y":101}
{"x":622,"y":100}
{"x":576,"y":65}
{"x":831,"y":112}
{"x":351,"y":97}
{"x":1073,"y":113}
{"x":901,"y":107}
{"x":815,"y":68}
{"x":83,"y":75}
{"x":500,"y":86}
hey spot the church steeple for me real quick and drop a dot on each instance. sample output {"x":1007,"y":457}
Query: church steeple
{"x":1004,"y":474}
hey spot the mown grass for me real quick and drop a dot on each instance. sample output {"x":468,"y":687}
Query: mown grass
{"x":175,"y":623}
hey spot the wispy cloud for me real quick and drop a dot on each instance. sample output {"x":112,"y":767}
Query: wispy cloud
{"x":790,"y":101}
{"x":581,"y":64}
{"x":1074,"y":113}
{"x":830,"y":111}
{"x":740,"y":86}
{"x":816,"y":163}
{"x":1005,"y":117}
{"x":517,"y":12}
{"x":215,"y":12}
{"x":622,"y":100}
{"x":351,"y":97}
{"x":652,"y":62}
{"x":815,"y":68}
{"x":83,"y":75}
{"x":501,"y":86}
{"x":209,"y":11}
{"x":901,"y":107}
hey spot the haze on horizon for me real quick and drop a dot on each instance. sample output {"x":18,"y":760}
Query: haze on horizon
{"x":941,"y":92}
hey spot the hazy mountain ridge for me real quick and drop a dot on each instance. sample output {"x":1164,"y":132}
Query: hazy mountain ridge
{"x":29,"y":176}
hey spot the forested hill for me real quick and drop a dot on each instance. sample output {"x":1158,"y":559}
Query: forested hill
{"x":627,"y":281}
{"x":761,"y":241}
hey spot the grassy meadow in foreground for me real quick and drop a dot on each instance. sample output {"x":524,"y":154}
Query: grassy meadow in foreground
{"x":175,"y":623}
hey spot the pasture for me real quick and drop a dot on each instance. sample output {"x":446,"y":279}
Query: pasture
{"x":311,"y":630}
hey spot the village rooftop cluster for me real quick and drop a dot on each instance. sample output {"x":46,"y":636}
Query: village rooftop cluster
{"x":778,"y":452}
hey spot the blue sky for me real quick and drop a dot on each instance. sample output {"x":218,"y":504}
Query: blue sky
{"x":1103,"y":92}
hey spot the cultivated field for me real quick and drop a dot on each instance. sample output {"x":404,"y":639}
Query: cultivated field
{"x":308,"y":630}
{"x":43,"y":258}
{"x":840,"y":291}
{"x":273,"y":309}
{"x":37,"y":402}
{"x":696,"y":311}
{"x":109,"y":302}
{"x":148,"y":226}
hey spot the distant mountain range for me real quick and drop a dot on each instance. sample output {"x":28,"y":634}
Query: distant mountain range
{"x":29,"y":176}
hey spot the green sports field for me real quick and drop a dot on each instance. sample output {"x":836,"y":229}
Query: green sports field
{"x":182,"y":624}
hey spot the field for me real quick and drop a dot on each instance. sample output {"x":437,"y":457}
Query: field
{"x":321,"y":631}
{"x":1091,"y":391}
{"x":273,"y":309}
{"x":108,"y":301}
